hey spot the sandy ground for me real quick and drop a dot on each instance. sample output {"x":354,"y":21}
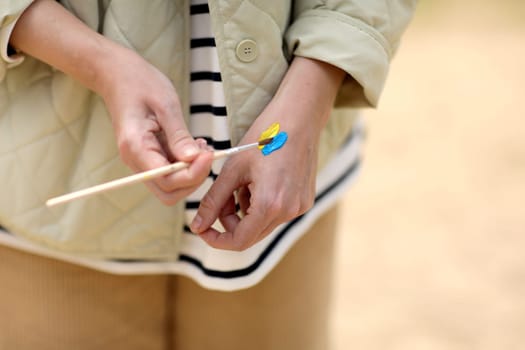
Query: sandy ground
{"x":431,"y":247}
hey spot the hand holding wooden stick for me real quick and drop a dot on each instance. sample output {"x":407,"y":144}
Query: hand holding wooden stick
{"x":146,"y":175}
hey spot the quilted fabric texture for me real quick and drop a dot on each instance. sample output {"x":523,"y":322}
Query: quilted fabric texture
{"x":63,"y":141}
{"x":56,"y":136}
{"x":249,"y":86}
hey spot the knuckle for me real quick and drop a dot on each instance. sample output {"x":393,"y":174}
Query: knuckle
{"x":181,"y":135}
{"x":165,"y":185}
{"x":192,"y":183}
{"x":305,"y":205}
{"x":168,"y":199}
{"x":240,"y":245}
{"x":289,"y":210}
{"x":125,"y":147}
{"x":165,"y":197}
{"x":207,"y":203}
{"x":283,"y":209}
{"x":197,"y":177}
{"x":292,"y":211}
{"x":274,"y":208}
{"x":167,"y":104}
{"x":124,"y":143}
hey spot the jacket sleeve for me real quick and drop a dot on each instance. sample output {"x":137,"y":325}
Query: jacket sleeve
{"x":10,"y":11}
{"x":357,"y":36}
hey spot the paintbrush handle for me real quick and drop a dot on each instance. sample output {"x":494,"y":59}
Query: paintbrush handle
{"x":140,"y":177}
{"x":125,"y":181}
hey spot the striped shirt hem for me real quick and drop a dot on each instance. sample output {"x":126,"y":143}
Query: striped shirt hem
{"x":247,"y":268}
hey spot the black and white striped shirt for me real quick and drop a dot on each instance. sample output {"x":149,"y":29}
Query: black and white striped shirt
{"x":207,"y":102}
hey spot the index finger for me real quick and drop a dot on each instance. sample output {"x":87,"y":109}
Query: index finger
{"x":194,"y":174}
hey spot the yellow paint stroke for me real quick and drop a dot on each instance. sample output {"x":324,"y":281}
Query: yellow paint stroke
{"x":272,"y":131}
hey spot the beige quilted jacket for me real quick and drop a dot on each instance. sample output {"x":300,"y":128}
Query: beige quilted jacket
{"x":56,"y":136}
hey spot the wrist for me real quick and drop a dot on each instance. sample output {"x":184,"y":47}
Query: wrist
{"x":107,"y":63}
{"x":312,"y":85}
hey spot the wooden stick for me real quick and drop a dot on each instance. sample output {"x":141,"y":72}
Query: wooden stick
{"x":145,"y":176}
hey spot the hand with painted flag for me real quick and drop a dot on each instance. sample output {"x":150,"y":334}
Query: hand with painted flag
{"x":277,"y":188}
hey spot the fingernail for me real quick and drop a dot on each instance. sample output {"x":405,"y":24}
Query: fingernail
{"x":196,"y":224}
{"x":190,"y":150}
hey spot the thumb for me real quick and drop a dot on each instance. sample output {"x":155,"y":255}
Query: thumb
{"x":179,"y":141}
{"x":182,"y":145}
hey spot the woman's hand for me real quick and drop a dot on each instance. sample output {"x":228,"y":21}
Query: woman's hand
{"x":144,"y":106}
{"x":149,"y":125}
{"x":277,"y":188}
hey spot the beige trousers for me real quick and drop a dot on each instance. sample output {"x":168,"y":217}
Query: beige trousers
{"x":48,"y":304}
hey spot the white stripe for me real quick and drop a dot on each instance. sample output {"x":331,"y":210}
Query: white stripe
{"x":204,"y":59}
{"x":201,"y":191}
{"x":204,"y":92}
{"x":201,"y":26}
{"x":207,"y":124}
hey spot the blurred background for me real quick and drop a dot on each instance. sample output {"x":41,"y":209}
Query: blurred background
{"x":431,"y":250}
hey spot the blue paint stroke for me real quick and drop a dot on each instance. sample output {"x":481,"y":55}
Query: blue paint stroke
{"x":278,"y":141}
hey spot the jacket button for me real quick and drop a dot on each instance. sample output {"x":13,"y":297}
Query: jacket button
{"x":246,"y":50}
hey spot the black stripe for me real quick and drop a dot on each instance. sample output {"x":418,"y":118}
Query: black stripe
{"x":215,"y":110}
{"x":131,"y":260}
{"x":202,"y":42}
{"x":249,"y":269}
{"x":10,"y":50}
{"x":214,"y":76}
{"x":192,"y":204}
{"x":199,"y":9}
